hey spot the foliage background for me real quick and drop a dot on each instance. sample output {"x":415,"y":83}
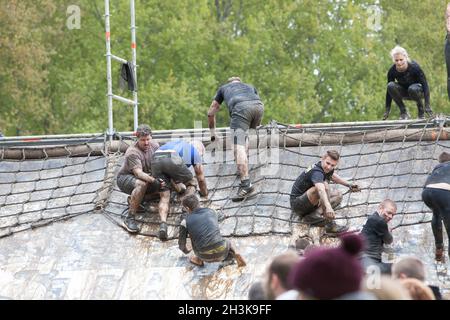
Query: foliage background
{"x":311,"y":60}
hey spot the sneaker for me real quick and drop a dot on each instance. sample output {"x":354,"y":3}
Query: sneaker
{"x":335,"y":229}
{"x":301,"y":244}
{"x":314,"y":219}
{"x":130,"y":224}
{"x":163,"y":231}
{"x":404,"y":116}
{"x":439,"y":255}
{"x":244,"y":192}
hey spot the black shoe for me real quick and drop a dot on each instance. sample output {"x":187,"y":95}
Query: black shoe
{"x":163,"y":231}
{"x":314,"y":219}
{"x":404,"y":116}
{"x":334,"y":229}
{"x":130,"y":224}
{"x":244,"y":192}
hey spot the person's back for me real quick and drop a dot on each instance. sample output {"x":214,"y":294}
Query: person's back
{"x":246,"y":111}
{"x":440,"y":174}
{"x":203,"y":228}
{"x":237,"y":93}
{"x":185,"y":150}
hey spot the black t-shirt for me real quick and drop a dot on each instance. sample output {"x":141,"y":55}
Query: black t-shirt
{"x":413,"y":74}
{"x":235,"y":93}
{"x":203,"y":227}
{"x":312,"y":175}
{"x":440,"y":174}
{"x":377,"y":234}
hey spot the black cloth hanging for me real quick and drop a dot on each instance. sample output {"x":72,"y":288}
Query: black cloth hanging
{"x":127,"y":77}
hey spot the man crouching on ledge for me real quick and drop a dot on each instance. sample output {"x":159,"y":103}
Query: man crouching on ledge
{"x":203,"y":227}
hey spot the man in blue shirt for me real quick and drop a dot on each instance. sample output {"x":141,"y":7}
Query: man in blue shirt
{"x":171,"y":162}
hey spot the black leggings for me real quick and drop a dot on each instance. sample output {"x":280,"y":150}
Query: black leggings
{"x":438,"y":200}
{"x":447,"y":62}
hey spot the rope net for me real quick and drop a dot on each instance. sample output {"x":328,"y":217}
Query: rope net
{"x":386,"y":163}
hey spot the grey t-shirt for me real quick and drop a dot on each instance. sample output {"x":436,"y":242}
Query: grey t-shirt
{"x":136,"y":158}
{"x":203,"y":228}
{"x":237,"y":93}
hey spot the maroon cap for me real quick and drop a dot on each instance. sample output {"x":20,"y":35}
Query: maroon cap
{"x":328,"y":273}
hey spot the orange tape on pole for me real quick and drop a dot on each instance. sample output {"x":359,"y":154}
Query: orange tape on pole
{"x":31,"y":139}
{"x":108,"y":34}
{"x":133,"y":45}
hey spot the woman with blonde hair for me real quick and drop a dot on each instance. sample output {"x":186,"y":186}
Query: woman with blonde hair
{"x":406,"y":80}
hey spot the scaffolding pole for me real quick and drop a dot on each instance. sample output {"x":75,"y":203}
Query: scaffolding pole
{"x":109,"y":57}
{"x":133,"y":51}
{"x":108,"y":70}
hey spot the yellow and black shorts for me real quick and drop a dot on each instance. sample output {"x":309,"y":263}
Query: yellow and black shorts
{"x":215,"y":253}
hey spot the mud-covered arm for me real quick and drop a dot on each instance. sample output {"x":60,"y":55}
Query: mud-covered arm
{"x":182,"y":237}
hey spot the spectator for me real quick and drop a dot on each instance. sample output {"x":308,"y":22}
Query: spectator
{"x":417,"y":289}
{"x":277,"y":286}
{"x":385,"y":288}
{"x":331,"y":273}
{"x":411,"y":267}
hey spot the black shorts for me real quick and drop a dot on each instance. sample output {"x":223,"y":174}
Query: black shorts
{"x":243,"y":118}
{"x":215,"y":253}
{"x":127,"y":182}
{"x":302,"y":206}
{"x":168,"y":165}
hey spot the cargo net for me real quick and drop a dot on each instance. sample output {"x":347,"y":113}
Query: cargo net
{"x":42,"y":185}
{"x":386,"y":163}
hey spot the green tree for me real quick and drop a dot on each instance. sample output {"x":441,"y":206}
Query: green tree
{"x":311,"y":60}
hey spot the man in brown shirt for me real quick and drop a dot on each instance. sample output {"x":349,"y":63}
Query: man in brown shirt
{"x":135,"y":177}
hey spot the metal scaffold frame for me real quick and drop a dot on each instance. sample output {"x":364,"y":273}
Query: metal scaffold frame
{"x":110,"y":56}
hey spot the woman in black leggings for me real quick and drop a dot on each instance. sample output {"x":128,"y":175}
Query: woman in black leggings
{"x":436,"y":195}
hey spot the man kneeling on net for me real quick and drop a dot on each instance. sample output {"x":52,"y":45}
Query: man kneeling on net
{"x":311,"y":197}
{"x":203,"y":228}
